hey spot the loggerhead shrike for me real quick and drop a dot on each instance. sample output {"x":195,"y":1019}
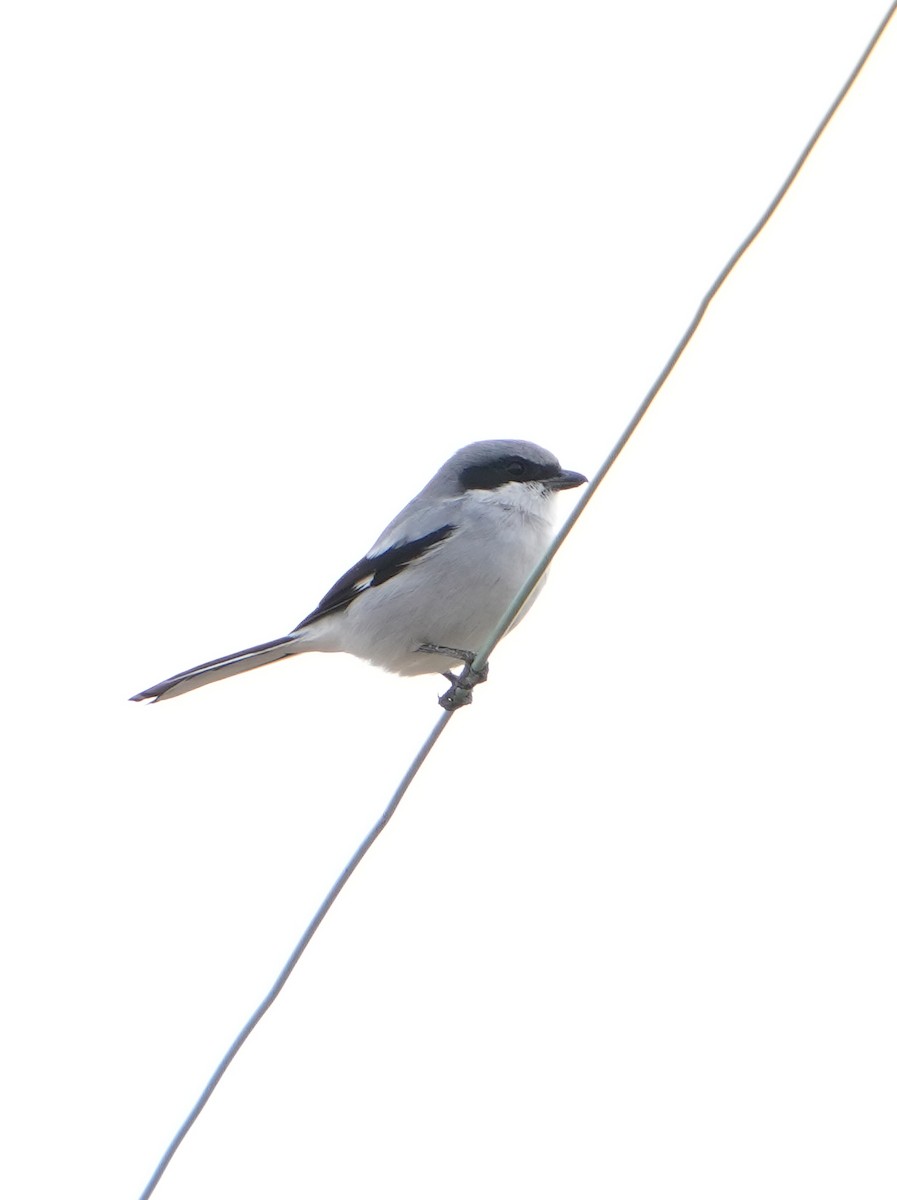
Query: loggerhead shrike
{"x":430,"y":590}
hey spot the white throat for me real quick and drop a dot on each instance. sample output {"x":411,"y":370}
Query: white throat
{"x":531,"y":501}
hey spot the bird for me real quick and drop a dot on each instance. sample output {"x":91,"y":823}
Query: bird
{"x":434,"y":585}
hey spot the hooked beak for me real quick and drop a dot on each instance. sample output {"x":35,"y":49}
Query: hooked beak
{"x":564,"y":480}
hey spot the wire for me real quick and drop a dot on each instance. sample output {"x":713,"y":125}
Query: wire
{"x":542,"y":566}
{"x":277,"y":987}
{"x":511,"y":612}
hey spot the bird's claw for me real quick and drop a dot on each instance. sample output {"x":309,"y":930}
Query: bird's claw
{"x":460,"y":693}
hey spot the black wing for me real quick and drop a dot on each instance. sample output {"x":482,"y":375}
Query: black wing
{"x":371,"y":572}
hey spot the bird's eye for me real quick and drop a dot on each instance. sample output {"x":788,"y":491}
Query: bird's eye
{"x":516,"y":467}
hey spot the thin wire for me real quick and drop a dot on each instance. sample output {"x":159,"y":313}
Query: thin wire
{"x":511,"y":612}
{"x":542,"y":566}
{"x":309,"y":933}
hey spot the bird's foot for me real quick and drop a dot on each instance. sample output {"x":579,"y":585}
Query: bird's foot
{"x":461,"y":691}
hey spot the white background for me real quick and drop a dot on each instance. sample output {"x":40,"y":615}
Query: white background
{"x":632,"y":932}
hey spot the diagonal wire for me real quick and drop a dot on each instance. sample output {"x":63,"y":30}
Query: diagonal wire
{"x":561,"y":536}
{"x":513,"y":609}
{"x":288,"y":966}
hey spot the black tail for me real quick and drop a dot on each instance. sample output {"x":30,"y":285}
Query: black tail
{"x":220,"y":668}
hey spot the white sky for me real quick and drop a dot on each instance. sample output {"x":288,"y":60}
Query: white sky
{"x":632,"y":933}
